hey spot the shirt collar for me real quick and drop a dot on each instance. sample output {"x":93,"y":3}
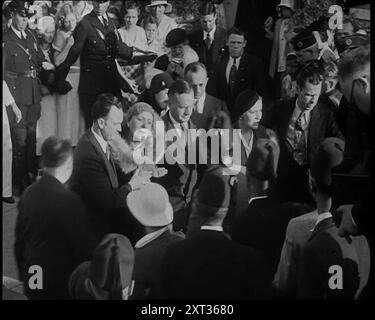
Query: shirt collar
{"x":151,"y":237}
{"x":212,"y":34}
{"x":213,"y":228}
{"x":200,"y":103}
{"x":103,"y":144}
{"x":321,"y":217}
{"x":19,"y":33}
{"x":238,"y":60}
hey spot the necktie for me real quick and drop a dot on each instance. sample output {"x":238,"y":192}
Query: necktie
{"x":105,"y":22}
{"x":108,"y":152}
{"x":300,"y":153}
{"x":232,"y":75}
{"x":208,"y":41}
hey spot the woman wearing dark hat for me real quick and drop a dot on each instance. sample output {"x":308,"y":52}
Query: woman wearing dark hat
{"x":180,"y":56}
{"x":157,"y":95}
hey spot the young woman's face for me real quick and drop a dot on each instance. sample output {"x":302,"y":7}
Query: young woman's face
{"x":131,"y":17}
{"x":151,"y":29}
{"x":178,"y":51}
{"x":70,"y":22}
{"x":142,"y":121}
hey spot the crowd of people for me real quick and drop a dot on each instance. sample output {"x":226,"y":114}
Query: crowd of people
{"x":155,"y":161}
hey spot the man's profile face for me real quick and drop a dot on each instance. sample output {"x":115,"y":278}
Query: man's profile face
{"x":236,"y":45}
{"x":198,"y":81}
{"x":181,"y":106}
{"x":19,"y":22}
{"x":111,"y":125}
{"x":208,"y":22}
{"x":347,"y":29}
{"x":309,"y":95}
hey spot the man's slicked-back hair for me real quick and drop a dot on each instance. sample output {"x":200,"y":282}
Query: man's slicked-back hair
{"x":55,"y":152}
{"x":207,"y":8}
{"x":312,"y":72}
{"x":103,"y":105}
{"x":195,"y":67}
{"x":179,"y":87}
{"x":354,"y":60}
{"x":236,"y":30}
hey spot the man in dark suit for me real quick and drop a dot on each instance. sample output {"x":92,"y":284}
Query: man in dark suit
{"x":238,"y":72}
{"x":52,"y":230}
{"x":22,"y":62}
{"x":96,"y":178}
{"x":206,"y":105}
{"x":331,"y":267}
{"x":97,"y":43}
{"x":301,"y":125}
{"x":209,"y":265}
{"x":182,"y":175}
{"x":151,"y":207}
{"x":208,"y":41}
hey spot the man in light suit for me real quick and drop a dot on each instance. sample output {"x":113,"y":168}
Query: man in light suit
{"x":182,"y":176}
{"x":208,"y":41}
{"x":331,"y":267}
{"x":97,"y":179}
{"x":206,"y":105}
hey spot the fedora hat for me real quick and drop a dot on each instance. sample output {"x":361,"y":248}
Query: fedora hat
{"x":168,"y":6}
{"x":287,"y":3}
{"x":150,"y":205}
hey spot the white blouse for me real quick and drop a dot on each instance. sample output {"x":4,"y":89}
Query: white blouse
{"x":137,"y":39}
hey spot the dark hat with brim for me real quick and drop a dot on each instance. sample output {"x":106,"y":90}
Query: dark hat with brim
{"x":244,"y":102}
{"x":112,"y":264}
{"x":329,"y":155}
{"x":303,"y":40}
{"x":176,"y":37}
{"x":21,"y":8}
{"x":263,"y":160}
{"x":351,"y":42}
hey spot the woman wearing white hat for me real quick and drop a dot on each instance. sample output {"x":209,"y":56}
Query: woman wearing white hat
{"x":164,"y":23}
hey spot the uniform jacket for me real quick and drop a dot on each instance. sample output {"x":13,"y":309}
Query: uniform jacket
{"x":26,"y":91}
{"x":98,"y":51}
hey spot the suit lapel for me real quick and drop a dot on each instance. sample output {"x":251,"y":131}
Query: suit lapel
{"x":241,"y":71}
{"x":111,"y":170}
{"x":314,"y":127}
{"x":98,"y":25}
{"x":288,"y":112}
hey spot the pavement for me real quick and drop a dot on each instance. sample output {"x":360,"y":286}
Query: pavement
{"x":10,"y":273}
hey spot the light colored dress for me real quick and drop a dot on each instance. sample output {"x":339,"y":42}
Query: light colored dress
{"x":47,"y":124}
{"x":138,"y":39}
{"x":166,"y":25}
{"x":70,"y":121}
{"x":7,"y":144}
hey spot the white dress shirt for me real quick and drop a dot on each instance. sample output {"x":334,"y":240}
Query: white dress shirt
{"x":103,"y":144}
{"x":19,"y":33}
{"x":101,"y":18}
{"x":211,"y":33}
{"x":229,"y":66}
{"x":180,"y":127}
{"x":200,"y":104}
{"x":213,"y":228}
{"x":151,"y":237}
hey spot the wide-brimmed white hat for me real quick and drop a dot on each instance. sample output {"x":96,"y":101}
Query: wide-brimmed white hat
{"x":150,"y":205}
{"x":287,"y":3}
{"x":168,"y":6}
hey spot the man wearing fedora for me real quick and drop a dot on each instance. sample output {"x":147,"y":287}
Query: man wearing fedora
{"x":151,"y":207}
{"x":208,"y":264}
{"x":165,"y":24}
{"x":22,"y":62}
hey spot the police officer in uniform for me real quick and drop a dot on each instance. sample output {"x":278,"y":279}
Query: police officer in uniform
{"x":97,"y":43}
{"x":22,"y":62}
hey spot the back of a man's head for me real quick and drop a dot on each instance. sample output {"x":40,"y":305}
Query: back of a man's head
{"x":179,"y":87}
{"x":103,"y":105}
{"x":55,"y":152}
